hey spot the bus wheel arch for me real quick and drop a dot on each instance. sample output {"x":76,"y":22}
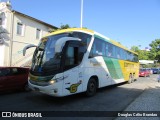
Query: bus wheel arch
{"x":92,"y":86}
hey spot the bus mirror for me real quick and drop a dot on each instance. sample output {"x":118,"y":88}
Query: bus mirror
{"x":61,"y":42}
{"x":27,"y":47}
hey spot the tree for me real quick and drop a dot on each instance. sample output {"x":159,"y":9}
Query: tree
{"x":64,"y":26}
{"x":135,"y":49}
{"x":3,"y":35}
{"x":154,"y":53}
{"x":142,"y":54}
{"x":61,"y":27}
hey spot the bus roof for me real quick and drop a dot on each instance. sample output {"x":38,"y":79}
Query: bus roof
{"x":113,"y":42}
{"x":70,"y":30}
{"x":91,"y":32}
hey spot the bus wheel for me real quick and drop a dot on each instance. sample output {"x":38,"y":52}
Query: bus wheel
{"x":133,"y":78}
{"x":130,"y":79}
{"x":91,"y":87}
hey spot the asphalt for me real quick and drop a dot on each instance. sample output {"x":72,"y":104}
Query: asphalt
{"x":146,"y":106}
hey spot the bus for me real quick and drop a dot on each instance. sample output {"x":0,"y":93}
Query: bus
{"x":76,"y":60}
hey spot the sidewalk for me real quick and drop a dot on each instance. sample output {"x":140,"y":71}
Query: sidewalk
{"x":149,"y":100}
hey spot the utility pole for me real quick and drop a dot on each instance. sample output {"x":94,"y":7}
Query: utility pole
{"x":81,"y":13}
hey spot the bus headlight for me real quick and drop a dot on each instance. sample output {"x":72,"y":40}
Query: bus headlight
{"x":52,"y":82}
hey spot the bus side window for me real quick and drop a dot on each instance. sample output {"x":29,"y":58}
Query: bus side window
{"x":106,"y":49}
{"x":123,"y":53}
{"x":98,"y":48}
{"x":71,"y":57}
{"x":118,"y":53}
{"x":110,"y":50}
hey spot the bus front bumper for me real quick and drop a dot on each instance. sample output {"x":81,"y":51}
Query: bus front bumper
{"x":52,"y":90}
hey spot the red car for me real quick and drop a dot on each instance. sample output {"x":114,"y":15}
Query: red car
{"x":13,"y":78}
{"x":144,"y":73}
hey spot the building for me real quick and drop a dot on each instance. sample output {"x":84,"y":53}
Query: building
{"x":16,"y":31}
{"x":144,"y":62}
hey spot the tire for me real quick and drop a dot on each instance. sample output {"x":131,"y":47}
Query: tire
{"x":130,"y":79}
{"x":133,"y":78}
{"x":91,"y":87}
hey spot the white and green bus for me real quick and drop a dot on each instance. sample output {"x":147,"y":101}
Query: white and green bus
{"x":79,"y":60}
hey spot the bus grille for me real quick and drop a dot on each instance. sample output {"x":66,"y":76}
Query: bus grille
{"x":42,"y":83}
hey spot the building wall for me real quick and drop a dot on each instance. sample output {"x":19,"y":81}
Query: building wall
{"x":29,"y":37}
{"x":13,"y":48}
{"x":4,"y":48}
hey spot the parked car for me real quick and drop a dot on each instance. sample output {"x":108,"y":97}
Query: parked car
{"x":158,"y":70}
{"x":12,"y":78}
{"x":155,"y":70}
{"x":150,"y":70}
{"x":144,"y":72}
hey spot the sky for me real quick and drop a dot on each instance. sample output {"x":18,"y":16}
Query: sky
{"x":130,"y":22}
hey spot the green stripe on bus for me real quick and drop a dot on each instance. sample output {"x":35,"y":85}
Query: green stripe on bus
{"x":113,"y":67}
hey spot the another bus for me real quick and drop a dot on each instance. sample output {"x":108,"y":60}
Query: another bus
{"x":78,"y":60}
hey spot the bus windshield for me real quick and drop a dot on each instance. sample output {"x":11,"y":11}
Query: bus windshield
{"x":45,"y":61}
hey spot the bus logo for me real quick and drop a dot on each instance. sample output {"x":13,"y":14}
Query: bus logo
{"x":73,"y":88}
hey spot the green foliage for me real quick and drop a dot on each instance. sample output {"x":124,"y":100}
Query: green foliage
{"x":135,"y":49}
{"x":142,"y":54}
{"x":61,"y":27}
{"x":153,"y":54}
{"x":155,"y":50}
{"x":64,"y":26}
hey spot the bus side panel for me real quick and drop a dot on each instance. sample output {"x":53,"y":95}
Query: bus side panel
{"x":100,"y":70}
{"x":125,"y":70}
{"x":129,"y":68}
{"x":88,"y":72}
{"x":114,"y":68}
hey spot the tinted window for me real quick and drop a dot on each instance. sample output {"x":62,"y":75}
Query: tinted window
{"x":5,"y":72}
{"x":14,"y":71}
{"x":135,"y":59}
{"x":98,"y":48}
{"x":86,"y":38}
{"x":81,"y":51}
{"x":124,"y":54}
{"x":142,"y":70}
{"x":70,"y":56}
{"x":110,"y":50}
{"x":118,"y":53}
{"x":102,"y":48}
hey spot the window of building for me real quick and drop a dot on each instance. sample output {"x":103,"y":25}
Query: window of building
{"x":38,"y":33}
{"x":20,"y":29}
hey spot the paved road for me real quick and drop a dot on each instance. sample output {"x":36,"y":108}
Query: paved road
{"x":115,"y":98}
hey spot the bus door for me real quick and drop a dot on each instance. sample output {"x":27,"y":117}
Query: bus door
{"x":72,"y":82}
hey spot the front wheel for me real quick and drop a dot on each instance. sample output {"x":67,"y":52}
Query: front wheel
{"x":91,"y":87}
